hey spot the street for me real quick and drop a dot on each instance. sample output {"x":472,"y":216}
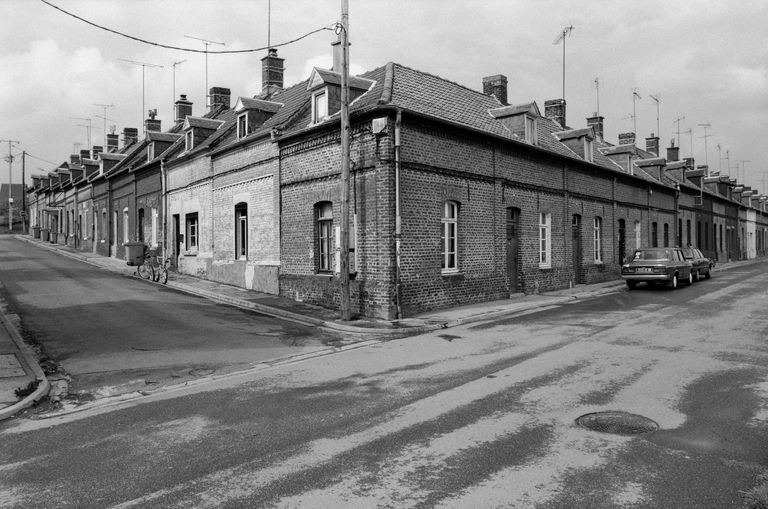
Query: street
{"x":480,"y":415}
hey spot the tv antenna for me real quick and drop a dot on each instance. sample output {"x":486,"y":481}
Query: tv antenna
{"x":635,"y":97}
{"x":104,"y":117}
{"x":677,"y":121}
{"x":143,"y":65}
{"x":657,"y":99}
{"x":87,"y":128}
{"x":706,"y":160}
{"x":564,"y":33}
{"x":597,"y":96}
{"x":174,"y":84}
{"x":207,"y":43}
{"x":690,"y":132}
{"x":743,"y":168}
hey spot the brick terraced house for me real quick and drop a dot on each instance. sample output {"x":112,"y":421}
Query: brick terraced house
{"x":456,"y":196}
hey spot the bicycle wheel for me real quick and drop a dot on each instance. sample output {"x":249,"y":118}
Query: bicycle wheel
{"x":162,"y":274}
{"x":145,"y":270}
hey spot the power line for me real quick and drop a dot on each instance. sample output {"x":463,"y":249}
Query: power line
{"x":40,"y":159}
{"x":167,"y":46}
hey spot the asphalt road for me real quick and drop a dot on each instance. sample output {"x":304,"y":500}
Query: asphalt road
{"x":114,"y":334}
{"x":473,"y":416}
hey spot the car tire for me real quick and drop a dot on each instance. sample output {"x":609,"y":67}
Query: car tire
{"x":696,"y":276}
{"x":631,"y":285}
{"x":673,"y":283}
{"x":708,"y":274}
{"x":690,"y":278}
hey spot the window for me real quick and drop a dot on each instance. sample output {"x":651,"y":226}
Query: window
{"x":154,"y":226}
{"x":319,"y":106}
{"x":654,"y":234}
{"x":324,"y":213}
{"x":530,"y":130}
{"x":151,"y":151}
{"x":242,"y":126}
{"x":721,"y":237}
{"x":706,"y":236}
{"x":622,"y":240}
{"x":666,"y":234}
{"x":680,"y":233}
{"x":189,"y":140}
{"x":638,"y":238}
{"x":141,"y":226}
{"x":598,"y":230}
{"x":588,"y":150}
{"x":545,"y":240}
{"x":688,"y":231}
{"x":192,"y":232}
{"x":126,"y":232}
{"x":449,"y":237}
{"x":241,"y":231}
{"x":698,"y":234}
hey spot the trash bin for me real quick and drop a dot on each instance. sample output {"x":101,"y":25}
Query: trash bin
{"x":54,"y":237}
{"x":35,"y":232}
{"x":44,"y":234}
{"x":134,"y":253}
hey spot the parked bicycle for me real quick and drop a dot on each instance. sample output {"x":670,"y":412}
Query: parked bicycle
{"x":153,"y":267}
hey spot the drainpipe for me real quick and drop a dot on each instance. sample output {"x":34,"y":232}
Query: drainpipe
{"x":163,"y":192}
{"x":398,"y":223}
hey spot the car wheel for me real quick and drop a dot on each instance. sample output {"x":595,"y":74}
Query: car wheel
{"x":708,"y":274}
{"x":696,"y":276}
{"x":673,"y":282}
{"x":631,"y":285}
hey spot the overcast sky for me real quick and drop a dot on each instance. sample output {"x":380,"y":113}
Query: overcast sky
{"x":706,"y":60}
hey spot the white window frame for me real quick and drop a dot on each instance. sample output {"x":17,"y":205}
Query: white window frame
{"x":241,"y":231}
{"x":242,"y":125}
{"x":151,"y":151}
{"x":325,"y":244}
{"x":450,"y":237}
{"x":155,"y":220}
{"x":192,"y":229}
{"x":189,"y":140}
{"x":588,"y":150}
{"x":126,"y":232}
{"x":638,"y":235}
{"x":545,"y":240}
{"x":598,"y":239}
{"x":530,"y":130}
{"x":319,"y":109}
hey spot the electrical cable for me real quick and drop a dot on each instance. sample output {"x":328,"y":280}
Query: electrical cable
{"x":191,"y":50}
{"x":40,"y":159}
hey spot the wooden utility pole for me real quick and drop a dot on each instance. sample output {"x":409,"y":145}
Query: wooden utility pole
{"x":11,"y":143}
{"x":344,"y":241}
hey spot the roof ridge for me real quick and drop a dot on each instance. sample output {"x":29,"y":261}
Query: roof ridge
{"x":477,"y":92}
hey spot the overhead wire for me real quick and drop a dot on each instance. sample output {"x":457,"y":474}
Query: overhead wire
{"x":40,"y":159}
{"x":178,"y":48}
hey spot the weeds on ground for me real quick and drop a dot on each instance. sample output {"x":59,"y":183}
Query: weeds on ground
{"x":757,"y":497}
{"x":23,"y":392}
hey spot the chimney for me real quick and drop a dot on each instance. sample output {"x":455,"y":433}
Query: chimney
{"x":84,"y":154}
{"x":152,"y":123}
{"x":112,"y":142}
{"x":555,"y":109}
{"x":97,"y":149}
{"x":183,"y":108}
{"x":497,"y":87}
{"x":673,"y":152}
{"x":74,"y":158}
{"x":272,"y":70}
{"x":652,"y":144}
{"x":130,"y":135}
{"x":219,"y":96}
{"x":626,"y":138}
{"x":596,"y":122}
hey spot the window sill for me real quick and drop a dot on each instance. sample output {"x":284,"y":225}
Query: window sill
{"x":190,"y":253}
{"x":545,"y":266}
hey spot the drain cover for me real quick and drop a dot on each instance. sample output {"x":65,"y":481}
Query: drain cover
{"x":618,"y":423}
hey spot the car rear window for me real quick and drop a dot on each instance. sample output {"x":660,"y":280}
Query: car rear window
{"x":689,"y":254}
{"x":651,"y":254}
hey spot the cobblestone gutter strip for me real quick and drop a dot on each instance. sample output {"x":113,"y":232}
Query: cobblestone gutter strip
{"x":29,"y":359}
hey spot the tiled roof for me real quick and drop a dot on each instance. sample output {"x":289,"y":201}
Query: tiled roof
{"x":506,"y":111}
{"x":166,"y":137}
{"x":574,"y":133}
{"x":246,"y":103}
{"x":204,"y":123}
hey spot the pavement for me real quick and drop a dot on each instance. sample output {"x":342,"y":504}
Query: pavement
{"x":18,"y":365}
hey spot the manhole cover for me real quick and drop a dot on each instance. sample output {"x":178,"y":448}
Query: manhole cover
{"x":618,"y":423}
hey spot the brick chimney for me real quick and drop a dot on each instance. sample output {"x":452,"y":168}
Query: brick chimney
{"x":152,"y":123}
{"x":272,"y":70}
{"x":183,"y":108}
{"x":219,"y":96}
{"x":84,"y":154}
{"x":97,"y":149}
{"x":596,"y":122}
{"x":74,"y":158}
{"x":497,"y":87}
{"x":626,"y":138}
{"x":130,"y":135}
{"x":652,"y":144}
{"x":673,"y":152}
{"x":555,"y":109}
{"x":112,"y":142}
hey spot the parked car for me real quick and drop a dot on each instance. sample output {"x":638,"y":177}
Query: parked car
{"x":665,"y":265}
{"x":702,"y":266}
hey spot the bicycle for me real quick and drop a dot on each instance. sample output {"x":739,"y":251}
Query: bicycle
{"x":153,"y":267}
{"x":145,"y":269}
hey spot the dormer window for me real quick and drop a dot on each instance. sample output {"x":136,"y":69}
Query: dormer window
{"x":319,"y":106}
{"x":588,"y":154}
{"x":189,"y":140}
{"x":242,"y":126}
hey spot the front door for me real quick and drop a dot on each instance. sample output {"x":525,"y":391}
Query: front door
{"x":622,"y":240}
{"x":578,"y":271}
{"x":513,"y":251}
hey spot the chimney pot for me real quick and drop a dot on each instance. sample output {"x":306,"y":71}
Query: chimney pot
{"x":497,"y":87}
{"x":555,"y":110}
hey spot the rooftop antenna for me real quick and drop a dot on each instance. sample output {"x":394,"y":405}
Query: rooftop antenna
{"x":269,"y":24}
{"x":174,"y":82}
{"x":207,"y":43}
{"x":728,"y":158}
{"x":87,"y":128}
{"x":597,"y":96}
{"x":657,"y":99}
{"x":689,"y":131}
{"x":677,"y":121}
{"x":565,"y":32}
{"x":706,"y":159}
{"x":743,"y":168}
{"x":719,"y":159}
{"x":104,"y":117}
{"x":635,"y":97}
{"x":143,"y":65}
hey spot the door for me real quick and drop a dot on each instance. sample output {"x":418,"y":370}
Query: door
{"x":513,"y":248}
{"x":622,"y":240}
{"x":176,"y":236}
{"x":578,"y":270}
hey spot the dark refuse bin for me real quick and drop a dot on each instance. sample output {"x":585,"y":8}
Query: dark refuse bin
{"x":134,"y":253}
{"x":35,"y":232}
{"x":44,"y":234}
{"x":54,"y":237}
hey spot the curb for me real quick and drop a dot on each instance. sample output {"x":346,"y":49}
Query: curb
{"x":29,"y":359}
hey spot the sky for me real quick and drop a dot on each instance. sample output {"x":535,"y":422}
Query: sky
{"x":705,"y":60}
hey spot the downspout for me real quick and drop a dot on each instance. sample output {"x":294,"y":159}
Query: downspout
{"x":398,"y":223}
{"x":163,"y":187}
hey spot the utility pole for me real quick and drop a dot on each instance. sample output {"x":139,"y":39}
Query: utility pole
{"x":343,"y":32}
{"x":706,"y":157}
{"x":143,"y":65}
{"x":104,"y":117}
{"x":23,"y":191}
{"x":11,"y":143}
{"x":207,"y":43}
